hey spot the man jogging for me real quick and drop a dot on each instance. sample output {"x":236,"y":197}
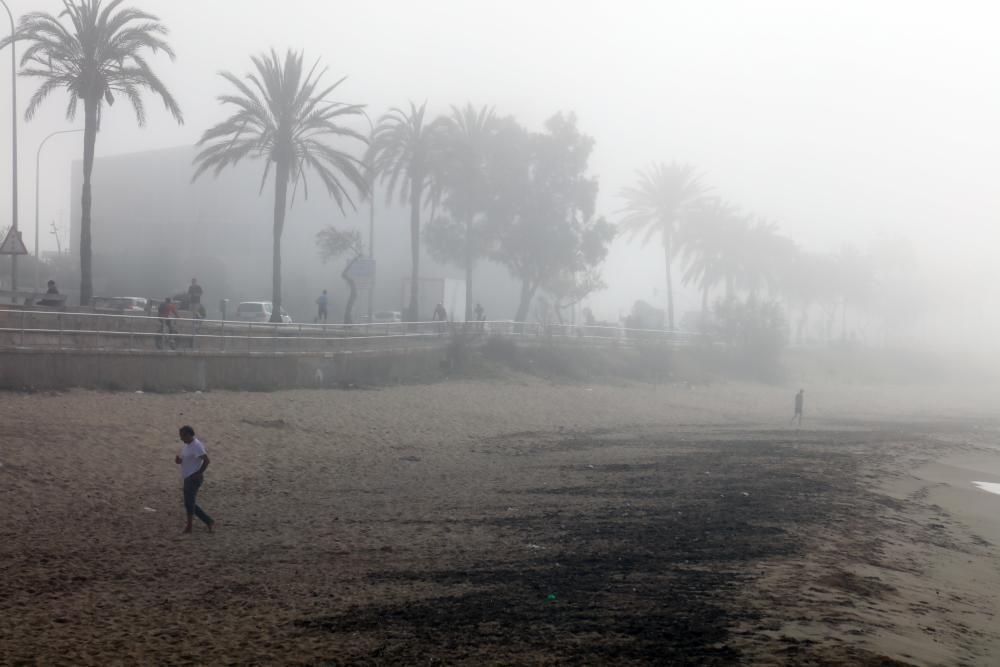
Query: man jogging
{"x":193,"y":461}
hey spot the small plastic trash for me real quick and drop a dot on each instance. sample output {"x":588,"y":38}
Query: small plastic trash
{"x":148,"y":509}
{"x":551,"y":597}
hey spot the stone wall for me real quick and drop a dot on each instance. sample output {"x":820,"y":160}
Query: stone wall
{"x":176,"y":371}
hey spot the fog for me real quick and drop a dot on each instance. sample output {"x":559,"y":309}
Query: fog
{"x":855,"y":123}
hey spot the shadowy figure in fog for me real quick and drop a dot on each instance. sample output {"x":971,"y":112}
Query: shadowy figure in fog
{"x":167,"y":313}
{"x":480,"y":316}
{"x":799,"y":398}
{"x":440,"y":314}
{"x":51,"y":290}
{"x":321,"y":304}
{"x":194,"y":295}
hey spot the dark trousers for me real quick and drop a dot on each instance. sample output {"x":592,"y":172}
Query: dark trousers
{"x":191,"y":486}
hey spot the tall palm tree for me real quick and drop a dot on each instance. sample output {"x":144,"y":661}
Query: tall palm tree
{"x":404,"y":153}
{"x":100,"y":53}
{"x":283,"y":116}
{"x":656,"y":205}
{"x":468,"y":136}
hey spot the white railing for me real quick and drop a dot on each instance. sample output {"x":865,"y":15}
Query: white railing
{"x":41,"y":329}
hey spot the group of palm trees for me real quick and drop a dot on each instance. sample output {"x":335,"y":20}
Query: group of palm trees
{"x":283,"y":114}
{"x":97,"y":52}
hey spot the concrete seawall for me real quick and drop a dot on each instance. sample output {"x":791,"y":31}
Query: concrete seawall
{"x":167,"y":371}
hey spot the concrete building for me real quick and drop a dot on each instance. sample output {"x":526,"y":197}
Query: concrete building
{"x":153,"y":230}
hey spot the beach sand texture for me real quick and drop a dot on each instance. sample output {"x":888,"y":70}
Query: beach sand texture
{"x":513,"y":521}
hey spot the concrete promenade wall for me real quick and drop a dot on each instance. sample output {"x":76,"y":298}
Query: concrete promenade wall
{"x":175,"y":371}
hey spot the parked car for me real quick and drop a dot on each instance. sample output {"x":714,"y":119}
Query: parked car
{"x":258,"y":311}
{"x":129,"y":305}
{"x":383,"y":316}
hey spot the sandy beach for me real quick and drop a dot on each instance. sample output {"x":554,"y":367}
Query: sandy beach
{"x":510,"y":521}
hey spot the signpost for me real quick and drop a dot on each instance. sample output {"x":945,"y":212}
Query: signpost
{"x":12,"y":244}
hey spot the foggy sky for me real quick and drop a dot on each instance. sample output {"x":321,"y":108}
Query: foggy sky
{"x":842,"y":122}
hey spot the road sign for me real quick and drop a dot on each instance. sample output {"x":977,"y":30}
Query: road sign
{"x":362,"y":272}
{"x":13,"y":245}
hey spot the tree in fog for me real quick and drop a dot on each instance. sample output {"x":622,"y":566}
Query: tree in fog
{"x":282,"y":115}
{"x":656,"y":204}
{"x":854,"y":279}
{"x":98,"y":53}
{"x":706,"y":243}
{"x":334,"y":243}
{"x":461,"y":235}
{"x":543,"y":210}
{"x":404,"y":154}
{"x":720,"y":244}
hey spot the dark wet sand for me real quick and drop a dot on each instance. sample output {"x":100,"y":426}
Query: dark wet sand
{"x":508,"y":522}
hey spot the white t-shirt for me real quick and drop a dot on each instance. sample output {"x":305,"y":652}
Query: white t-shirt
{"x":191,"y":454}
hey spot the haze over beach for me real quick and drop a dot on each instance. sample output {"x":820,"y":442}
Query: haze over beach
{"x":851,"y":123}
{"x":526,"y":333}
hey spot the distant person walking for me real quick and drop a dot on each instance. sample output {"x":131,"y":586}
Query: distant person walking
{"x":193,"y":461}
{"x":322,"y":302}
{"x":480,"y":316}
{"x":194,"y":294}
{"x":52,"y":290}
{"x":194,"y":298}
{"x":440,"y":314}
{"x":167,"y":313}
{"x":799,"y":399}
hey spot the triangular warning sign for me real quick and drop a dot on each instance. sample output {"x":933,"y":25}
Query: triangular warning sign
{"x":13,"y":245}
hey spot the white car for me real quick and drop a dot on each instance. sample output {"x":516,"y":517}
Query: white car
{"x":259,"y":311}
{"x":130,"y":305}
{"x":385,"y":316}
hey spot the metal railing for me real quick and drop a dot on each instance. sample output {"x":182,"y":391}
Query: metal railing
{"x":58,"y":330}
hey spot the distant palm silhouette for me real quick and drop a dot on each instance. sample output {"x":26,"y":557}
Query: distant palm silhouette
{"x":283,"y":117}
{"x":404,"y":153}
{"x":98,"y":56}
{"x":656,"y":205}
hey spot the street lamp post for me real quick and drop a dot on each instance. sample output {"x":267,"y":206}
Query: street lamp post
{"x":38,"y":159}
{"x":13,"y":123}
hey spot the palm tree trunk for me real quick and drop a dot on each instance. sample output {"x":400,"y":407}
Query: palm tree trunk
{"x":280,"y":206}
{"x":468,"y":270}
{"x":670,"y":286}
{"x":416,"y":187}
{"x":353,"y":292}
{"x":86,"y":201}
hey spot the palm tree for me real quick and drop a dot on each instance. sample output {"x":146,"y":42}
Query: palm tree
{"x":403,"y":153}
{"x":283,"y":116}
{"x":705,"y":240}
{"x":99,"y":55}
{"x":467,"y":137}
{"x":657,"y":204}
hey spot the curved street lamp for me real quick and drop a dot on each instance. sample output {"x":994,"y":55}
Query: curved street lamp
{"x":38,"y":157}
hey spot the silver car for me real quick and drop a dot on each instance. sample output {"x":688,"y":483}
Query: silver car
{"x":259,"y":311}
